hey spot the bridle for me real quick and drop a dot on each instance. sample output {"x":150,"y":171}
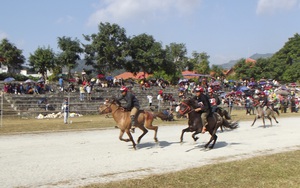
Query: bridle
{"x":188,"y":109}
{"x":109,"y":107}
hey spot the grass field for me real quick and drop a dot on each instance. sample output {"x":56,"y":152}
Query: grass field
{"x":17,"y":125}
{"x":278,"y":170}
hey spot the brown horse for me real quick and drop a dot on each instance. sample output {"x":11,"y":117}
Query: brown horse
{"x":264,"y":114}
{"x":188,"y":106}
{"x":143,"y":120}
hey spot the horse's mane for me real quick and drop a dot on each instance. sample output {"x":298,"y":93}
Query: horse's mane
{"x":191,"y":102}
{"x":115,"y":101}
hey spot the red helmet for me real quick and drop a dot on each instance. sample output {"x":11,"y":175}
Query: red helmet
{"x":123,"y":88}
{"x":262,"y":93}
{"x":199,"y":89}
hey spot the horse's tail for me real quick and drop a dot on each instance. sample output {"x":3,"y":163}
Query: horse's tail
{"x":230,"y":125}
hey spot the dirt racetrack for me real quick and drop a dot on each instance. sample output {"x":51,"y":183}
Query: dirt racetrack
{"x":71,"y":159}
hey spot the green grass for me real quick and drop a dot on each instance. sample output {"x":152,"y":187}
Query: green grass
{"x":17,"y":125}
{"x":278,"y":170}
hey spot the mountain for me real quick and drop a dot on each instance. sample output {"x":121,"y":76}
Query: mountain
{"x":256,"y":56}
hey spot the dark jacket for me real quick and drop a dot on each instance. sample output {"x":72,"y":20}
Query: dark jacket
{"x":203,"y":102}
{"x":131,"y":101}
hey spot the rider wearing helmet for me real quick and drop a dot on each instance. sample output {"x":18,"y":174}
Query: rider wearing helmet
{"x":213,"y":99}
{"x":204,"y":106}
{"x":132,"y":104}
{"x":263,"y":100}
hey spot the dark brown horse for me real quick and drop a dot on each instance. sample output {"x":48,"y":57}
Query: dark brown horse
{"x":143,"y":120}
{"x":188,"y":106}
{"x":224,"y":114}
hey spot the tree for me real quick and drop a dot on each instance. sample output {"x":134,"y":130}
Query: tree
{"x":71,"y":51}
{"x":42,"y":60}
{"x":108,"y":48}
{"x":145,"y":54}
{"x":218,"y":71}
{"x":11,"y":56}
{"x":201,"y":63}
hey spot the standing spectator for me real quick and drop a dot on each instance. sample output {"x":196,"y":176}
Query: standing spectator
{"x":293,"y":104}
{"x":88,"y":89}
{"x":230,"y":102}
{"x":81,"y":93}
{"x":150,"y":99}
{"x":61,"y":83}
{"x":65,"y":108}
{"x":160,"y":99}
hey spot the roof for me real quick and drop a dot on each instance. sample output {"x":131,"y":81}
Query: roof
{"x":127,"y":75}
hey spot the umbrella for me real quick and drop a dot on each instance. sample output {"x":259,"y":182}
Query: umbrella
{"x":72,"y":80}
{"x":243,"y":88}
{"x":262,"y":82}
{"x":252,"y":84}
{"x":282,"y":92}
{"x":183,"y":80}
{"x":29,"y":81}
{"x":9,"y":79}
{"x":109,"y":77}
{"x":215,"y":83}
{"x":41,"y":80}
{"x":100,"y":76}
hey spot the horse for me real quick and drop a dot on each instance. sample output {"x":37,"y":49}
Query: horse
{"x":143,"y":121}
{"x":265,"y":114}
{"x":188,"y":106}
{"x":224,"y":114}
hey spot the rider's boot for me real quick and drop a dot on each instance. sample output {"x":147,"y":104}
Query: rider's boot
{"x":132,"y":123}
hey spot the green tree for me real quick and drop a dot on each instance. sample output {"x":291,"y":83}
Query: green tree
{"x":70,"y":54}
{"x":11,"y":56}
{"x":108,"y":48}
{"x":218,"y":71}
{"x":200,"y":60}
{"x":145,"y":54}
{"x":42,"y":60}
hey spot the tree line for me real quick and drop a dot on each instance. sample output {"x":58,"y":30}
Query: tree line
{"x":111,"y":49}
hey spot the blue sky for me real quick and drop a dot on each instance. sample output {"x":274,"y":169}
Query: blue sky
{"x":224,"y":29}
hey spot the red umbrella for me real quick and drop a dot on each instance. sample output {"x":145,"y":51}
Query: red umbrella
{"x":100,"y":76}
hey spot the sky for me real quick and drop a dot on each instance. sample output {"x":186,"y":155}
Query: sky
{"x":224,"y":29}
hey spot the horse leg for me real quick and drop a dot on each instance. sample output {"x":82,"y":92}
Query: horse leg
{"x":273,"y":116}
{"x":121,"y":136}
{"x":254,"y":121}
{"x":148,"y":124}
{"x":143,"y":134}
{"x":131,"y":139}
{"x":183,"y":131}
{"x":154,"y":128}
{"x":212,"y":138}
{"x":263,"y":118}
{"x":270,"y":120}
{"x":194,"y":135}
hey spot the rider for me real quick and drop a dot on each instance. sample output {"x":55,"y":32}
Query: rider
{"x":263,"y":100}
{"x":213,"y":99}
{"x":132,"y":104}
{"x":204,"y":106}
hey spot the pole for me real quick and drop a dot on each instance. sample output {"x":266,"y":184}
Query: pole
{"x":2,"y":109}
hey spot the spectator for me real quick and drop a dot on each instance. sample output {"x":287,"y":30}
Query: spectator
{"x":88,"y":89}
{"x":65,"y":109}
{"x":150,"y":99}
{"x":61,"y":83}
{"x":81,"y":93}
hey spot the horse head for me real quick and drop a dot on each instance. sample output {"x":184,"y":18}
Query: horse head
{"x":186,"y":106}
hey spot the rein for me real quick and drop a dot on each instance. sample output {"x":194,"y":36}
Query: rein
{"x":189,"y":109}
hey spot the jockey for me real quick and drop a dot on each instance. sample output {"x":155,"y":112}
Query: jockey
{"x":132,"y":104}
{"x":213,"y":99}
{"x":263,"y":100}
{"x":204,"y":106}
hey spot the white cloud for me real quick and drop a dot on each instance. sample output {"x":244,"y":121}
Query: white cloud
{"x":3,"y":35}
{"x":272,"y":6}
{"x":64,"y":20}
{"x":139,"y":10}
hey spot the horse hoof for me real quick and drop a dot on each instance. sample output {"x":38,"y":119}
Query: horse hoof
{"x":211,"y":147}
{"x":196,"y":138}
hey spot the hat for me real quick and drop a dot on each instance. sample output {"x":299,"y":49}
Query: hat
{"x":199,"y":89}
{"x":123,"y":88}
